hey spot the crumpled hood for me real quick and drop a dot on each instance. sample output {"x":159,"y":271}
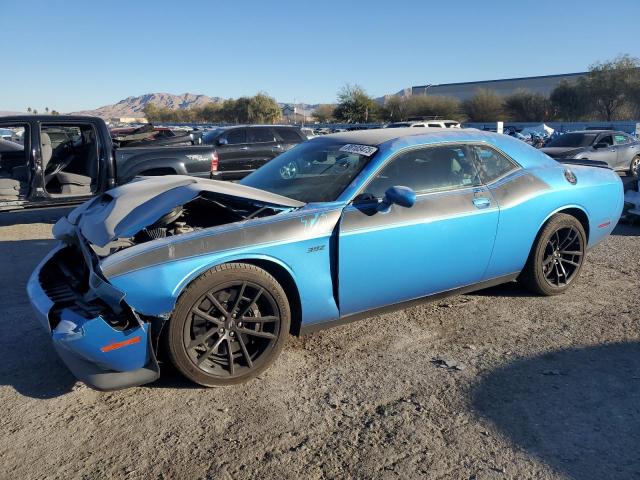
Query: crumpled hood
{"x":562,"y":152}
{"x":125,"y":210}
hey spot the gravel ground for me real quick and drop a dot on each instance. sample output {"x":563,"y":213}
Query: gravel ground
{"x":547,"y":388}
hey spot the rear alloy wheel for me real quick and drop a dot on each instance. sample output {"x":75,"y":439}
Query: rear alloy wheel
{"x":229,"y":325}
{"x":557,"y":256}
{"x":634,"y":169}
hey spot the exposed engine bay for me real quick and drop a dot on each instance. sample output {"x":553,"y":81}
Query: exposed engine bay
{"x":205,"y":211}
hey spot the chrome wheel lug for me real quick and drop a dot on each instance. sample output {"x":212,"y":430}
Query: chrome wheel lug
{"x":221,"y":330}
{"x":239,"y":324}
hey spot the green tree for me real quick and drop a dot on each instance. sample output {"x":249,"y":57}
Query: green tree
{"x":433,"y":106}
{"x":355,"y":106}
{"x":29,"y":109}
{"x":263,"y":109}
{"x":525,"y":106}
{"x":46,"y":109}
{"x":608,"y":83}
{"x":568,"y":101}
{"x":324,"y":113}
{"x":484,"y":106}
{"x":395,"y":109}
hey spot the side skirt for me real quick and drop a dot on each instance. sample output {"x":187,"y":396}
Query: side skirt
{"x":315,"y":327}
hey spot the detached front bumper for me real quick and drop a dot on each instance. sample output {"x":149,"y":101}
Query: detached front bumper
{"x":101,"y":348}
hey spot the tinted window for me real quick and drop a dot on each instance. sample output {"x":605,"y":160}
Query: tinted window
{"x":237,"y":135}
{"x":435,"y":125}
{"x":259,"y":135}
{"x":288,"y":135}
{"x":316,"y":171}
{"x":425,"y":169}
{"x":211,"y":135}
{"x":492,"y":164}
{"x":607,"y":140}
{"x":573,"y":140}
{"x":621,"y":139}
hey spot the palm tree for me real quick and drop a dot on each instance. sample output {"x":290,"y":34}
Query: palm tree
{"x":29,"y":109}
{"x":46,"y":109}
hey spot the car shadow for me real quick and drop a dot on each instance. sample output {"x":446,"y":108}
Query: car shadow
{"x":626,"y":230}
{"x":28,"y":217}
{"x":510,"y":289}
{"x":29,"y":362}
{"x":577,"y":410}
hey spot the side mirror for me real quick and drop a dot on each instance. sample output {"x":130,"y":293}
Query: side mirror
{"x":222,"y":142}
{"x":402,"y":196}
{"x":600,"y":145}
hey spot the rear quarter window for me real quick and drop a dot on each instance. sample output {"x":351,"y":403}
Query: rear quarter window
{"x":492,"y":164}
{"x":289,"y":135}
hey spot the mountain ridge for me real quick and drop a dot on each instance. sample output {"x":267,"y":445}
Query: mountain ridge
{"x":133,"y":106}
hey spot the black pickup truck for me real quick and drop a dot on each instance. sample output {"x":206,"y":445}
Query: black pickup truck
{"x":48,"y":160}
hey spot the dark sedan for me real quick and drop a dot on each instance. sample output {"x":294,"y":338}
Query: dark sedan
{"x":618,"y":149}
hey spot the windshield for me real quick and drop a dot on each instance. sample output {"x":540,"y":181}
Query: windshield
{"x":573,"y":140}
{"x":314,"y":171}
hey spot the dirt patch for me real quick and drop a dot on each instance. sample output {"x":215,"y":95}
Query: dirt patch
{"x":549,"y":388}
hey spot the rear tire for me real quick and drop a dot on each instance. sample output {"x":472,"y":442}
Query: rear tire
{"x":557,"y":256}
{"x":229,"y":325}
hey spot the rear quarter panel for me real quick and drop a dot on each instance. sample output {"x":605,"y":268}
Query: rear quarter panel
{"x":598,"y":193}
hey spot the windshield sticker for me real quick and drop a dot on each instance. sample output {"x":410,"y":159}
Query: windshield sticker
{"x":365,"y":150}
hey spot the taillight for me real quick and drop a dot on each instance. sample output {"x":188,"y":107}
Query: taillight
{"x":214,"y":161}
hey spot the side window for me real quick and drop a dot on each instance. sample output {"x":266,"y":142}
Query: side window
{"x":492,"y":164}
{"x":435,"y":125}
{"x":288,"y":135}
{"x":427,"y":169}
{"x":260,"y":135}
{"x":14,"y":149}
{"x":620,"y":139}
{"x":607,"y":140}
{"x":237,"y":135}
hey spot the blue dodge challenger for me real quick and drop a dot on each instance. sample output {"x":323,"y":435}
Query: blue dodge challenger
{"x":338,"y":228}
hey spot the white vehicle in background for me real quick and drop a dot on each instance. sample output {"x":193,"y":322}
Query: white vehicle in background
{"x":425,"y":124}
{"x":308,"y":132}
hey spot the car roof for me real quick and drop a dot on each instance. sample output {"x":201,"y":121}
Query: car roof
{"x":381,"y":135}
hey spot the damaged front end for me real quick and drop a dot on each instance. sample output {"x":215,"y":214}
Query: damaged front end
{"x":105,"y":342}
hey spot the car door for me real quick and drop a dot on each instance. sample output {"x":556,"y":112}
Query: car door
{"x":234,"y":156}
{"x":627,"y":149}
{"x":16,"y":172}
{"x":607,"y":152}
{"x":262,"y":145}
{"x":442,"y":242}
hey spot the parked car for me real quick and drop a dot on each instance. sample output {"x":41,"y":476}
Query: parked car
{"x":618,"y":149}
{"x":150,"y":136}
{"x":425,"y":124}
{"x":335,"y":229}
{"x":67,"y":159}
{"x":243,"y":149}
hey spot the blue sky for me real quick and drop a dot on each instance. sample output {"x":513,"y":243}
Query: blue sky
{"x":71,"y":55}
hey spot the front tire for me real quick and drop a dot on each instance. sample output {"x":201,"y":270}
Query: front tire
{"x":634,"y":168}
{"x":557,"y":256}
{"x":229,"y":325}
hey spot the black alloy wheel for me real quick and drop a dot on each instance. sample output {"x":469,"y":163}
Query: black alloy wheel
{"x":562,"y":256}
{"x":229,"y":325}
{"x":556,"y":257}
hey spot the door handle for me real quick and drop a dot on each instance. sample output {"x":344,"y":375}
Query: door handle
{"x":481,"y":202}
{"x":244,"y":148}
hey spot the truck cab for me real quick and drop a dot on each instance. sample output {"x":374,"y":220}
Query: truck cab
{"x":54,"y":160}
